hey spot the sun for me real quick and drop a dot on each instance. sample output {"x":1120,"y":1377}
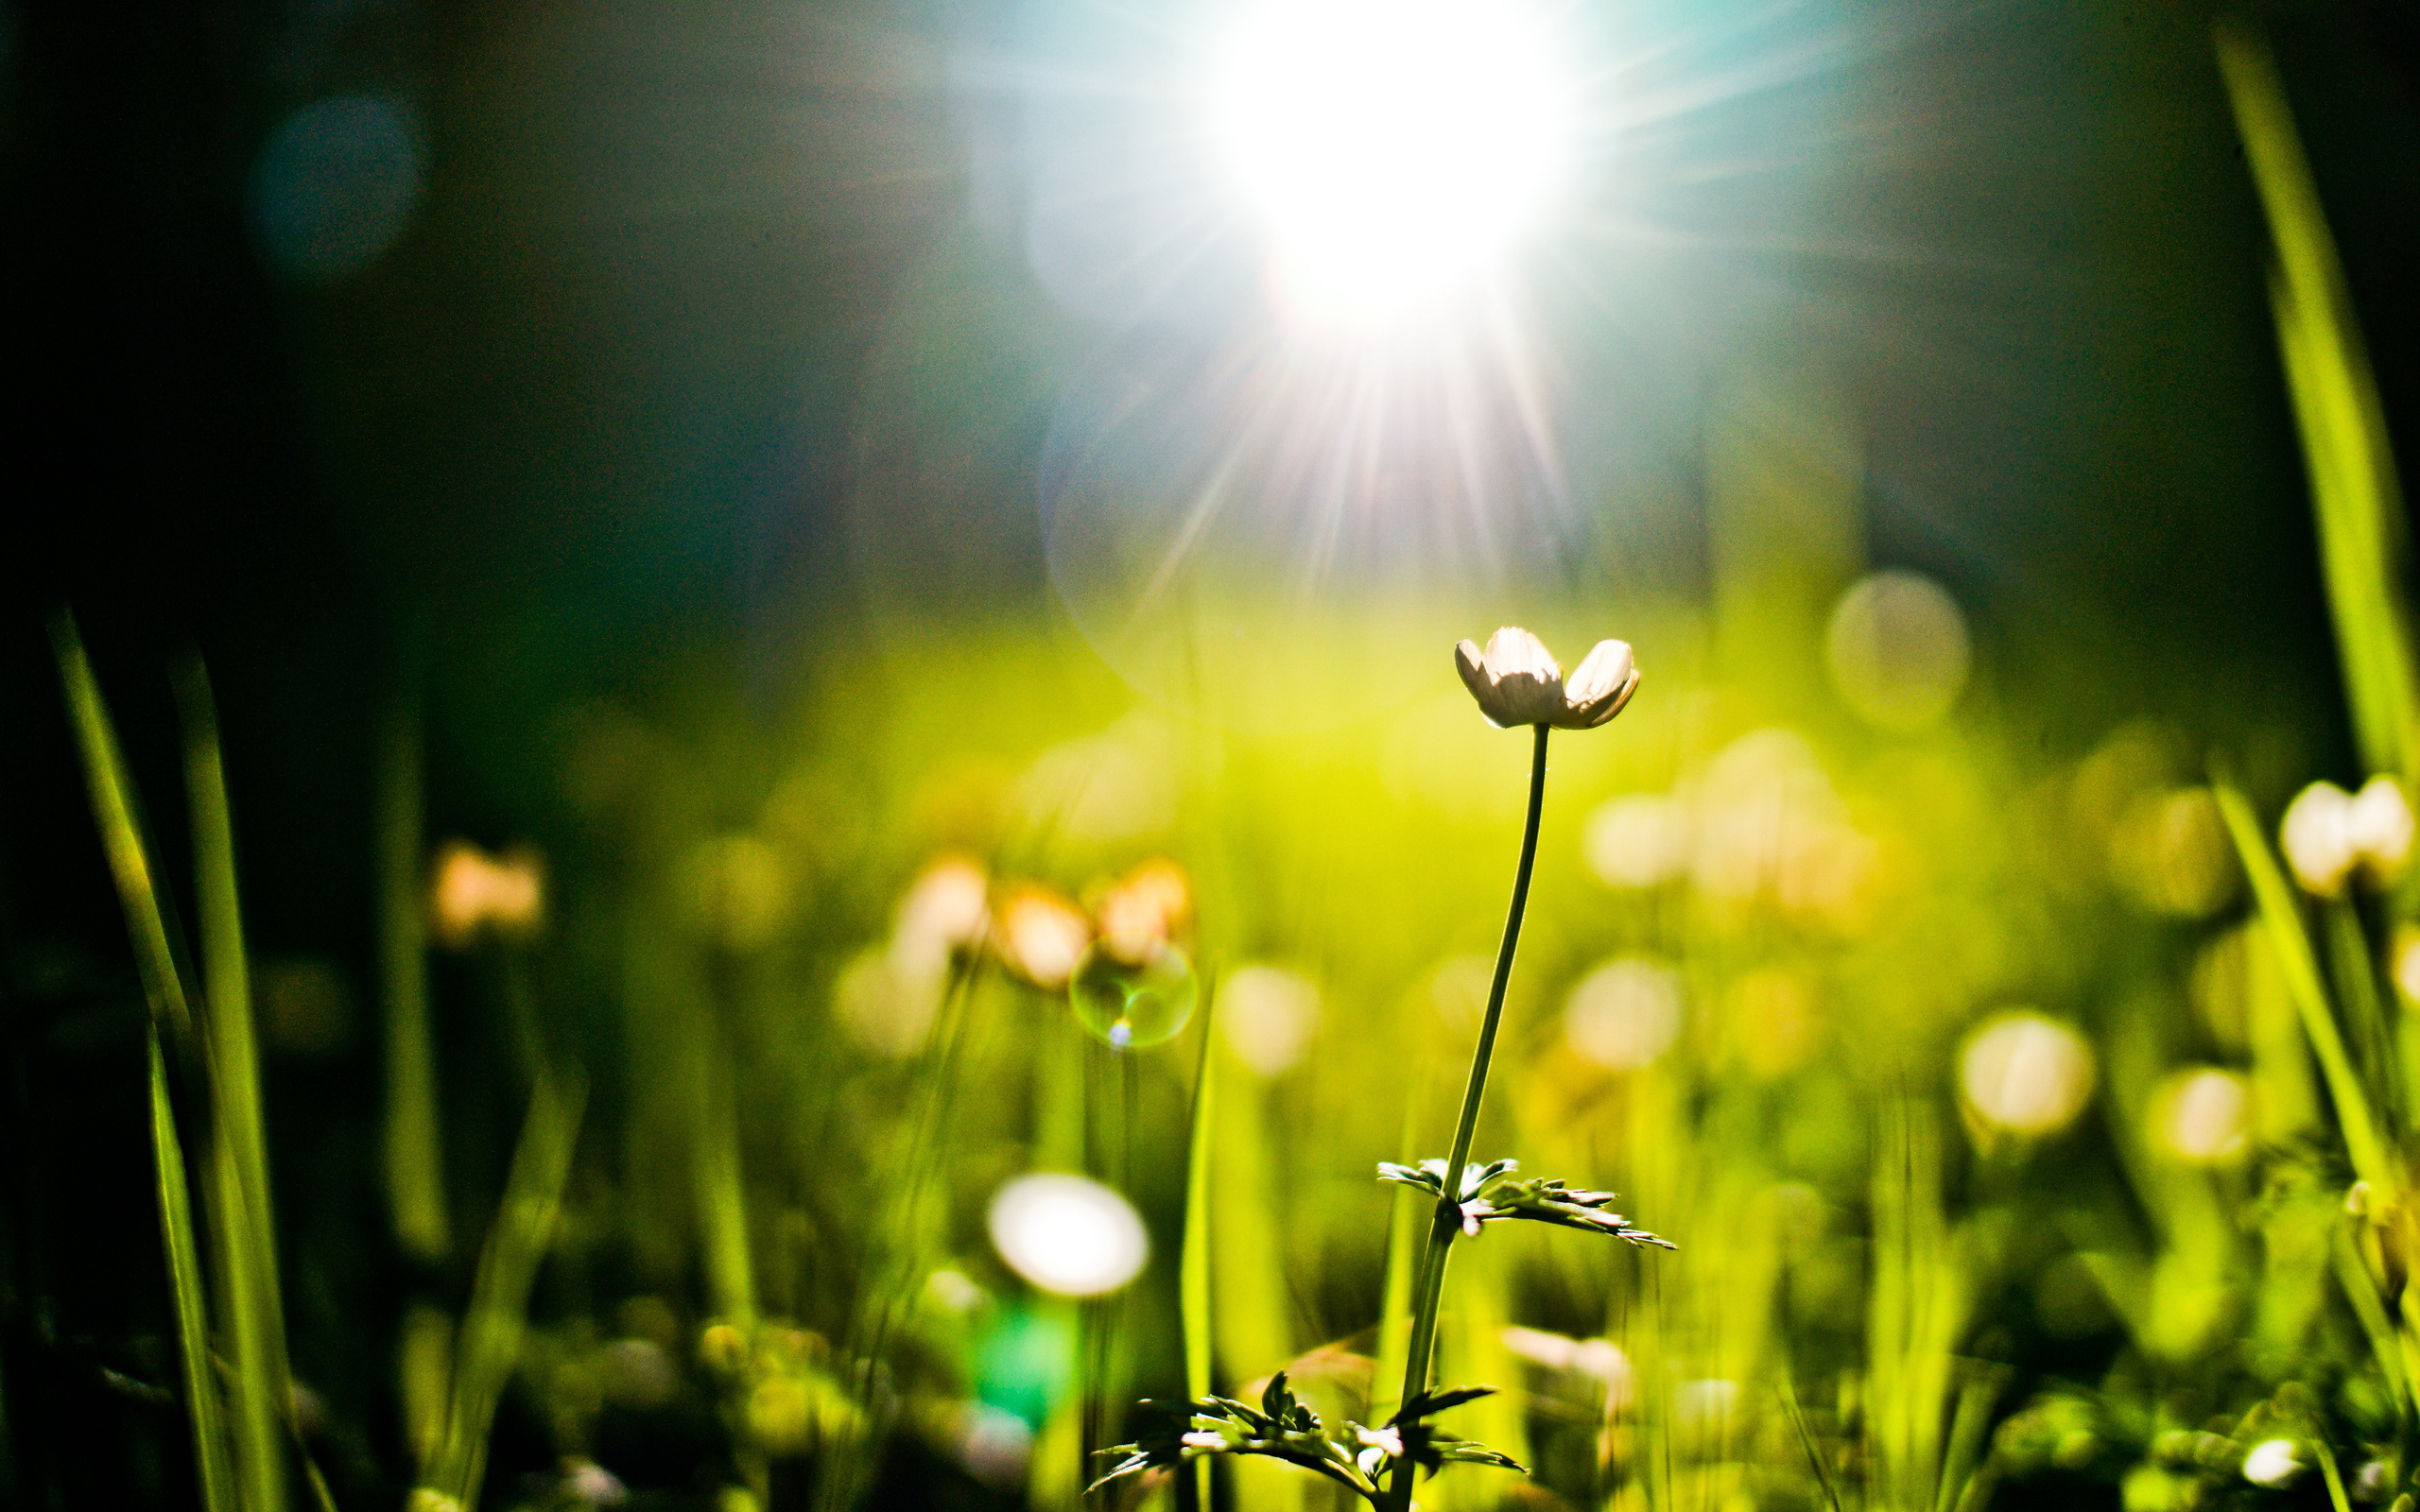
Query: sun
{"x":1392,"y":153}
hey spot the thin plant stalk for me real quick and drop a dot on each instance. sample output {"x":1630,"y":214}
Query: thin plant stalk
{"x":1446,"y":1220}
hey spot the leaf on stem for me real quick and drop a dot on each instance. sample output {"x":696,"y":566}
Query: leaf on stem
{"x":1491,"y":1192}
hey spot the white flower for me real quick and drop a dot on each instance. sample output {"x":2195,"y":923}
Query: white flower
{"x":1474,"y":1212}
{"x":1517,"y":681}
{"x":2379,"y":820}
{"x":2272,"y":1463}
{"x":2317,"y":836}
{"x":1386,"y":1441}
{"x":2328,"y":833}
{"x":2026,"y":1074}
{"x":1205,"y":1439}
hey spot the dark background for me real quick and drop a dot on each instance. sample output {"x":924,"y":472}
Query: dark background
{"x":601,"y":416}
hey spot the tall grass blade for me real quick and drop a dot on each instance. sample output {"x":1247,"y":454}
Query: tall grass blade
{"x":415,"y":1158}
{"x":2292,"y":946}
{"x":2354,"y":491}
{"x":498,"y":1314}
{"x":113,"y":810}
{"x":1193,"y":1261}
{"x":244,"y":1235}
{"x":211,"y":1461}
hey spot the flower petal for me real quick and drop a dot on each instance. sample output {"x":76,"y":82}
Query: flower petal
{"x":1514,"y":650}
{"x":1468,"y":662}
{"x":1603,"y":671}
{"x":1524,"y":680}
{"x":1589,"y":716}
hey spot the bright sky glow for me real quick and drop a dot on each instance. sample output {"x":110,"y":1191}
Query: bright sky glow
{"x":1393,"y":150}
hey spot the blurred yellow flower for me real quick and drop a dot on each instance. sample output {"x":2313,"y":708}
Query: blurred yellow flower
{"x":1040,"y":935}
{"x":473,"y":894}
{"x":1143,"y":910}
{"x":1517,"y":681}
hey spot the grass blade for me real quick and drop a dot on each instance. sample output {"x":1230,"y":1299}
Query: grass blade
{"x":113,"y":810}
{"x":1193,"y":1261}
{"x":244,"y":1235}
{"x":2353,"y":492}
{"x":2300,"y":967}
{"x":415,"y":1160}
{"x":1807,"y":1438}
{"x":211,"y":1465}
{"x":498,"y":1314}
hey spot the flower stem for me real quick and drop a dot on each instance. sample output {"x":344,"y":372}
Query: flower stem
{"x":1429,"y":1284}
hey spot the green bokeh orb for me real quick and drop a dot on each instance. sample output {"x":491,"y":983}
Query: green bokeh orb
{"x":1129,"y":1007}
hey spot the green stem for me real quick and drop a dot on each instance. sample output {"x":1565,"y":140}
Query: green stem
{"x":1447,"y":1220}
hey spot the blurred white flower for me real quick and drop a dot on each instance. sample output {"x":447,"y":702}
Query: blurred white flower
{"x":2380,"y":818}
{"x":2272,"y":1463}
{"x":1068,"y":1235}
{"x":1517,"y":681}
{"x":2327,"y":834}
{"x":2202,"y":1117}
{"x":995,"y":1445}
{"x":1625,"y":1013}
{"x":589,"y":1484}
{"x":1898,"y":650}
{"x":2027,"y":1075}
{"x":943,"y":910}
{"x":1639,"y":840}
{"x":887,"y":998}
{"x":2317,"y":837}
{"x":1269,"y":1015}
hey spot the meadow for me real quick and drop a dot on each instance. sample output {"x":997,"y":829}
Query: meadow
{"x":971,"y":1085}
